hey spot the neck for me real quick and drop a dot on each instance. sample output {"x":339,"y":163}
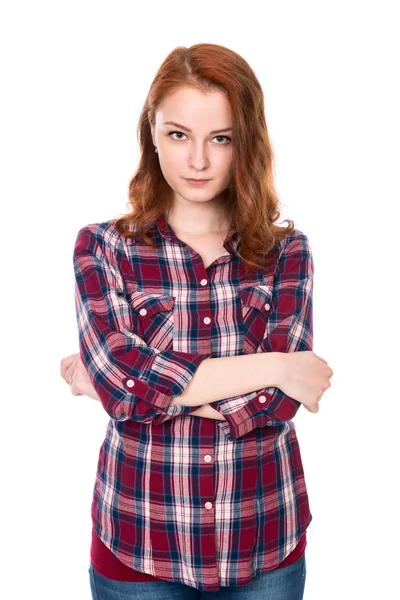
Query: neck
{"x":198,"y":218}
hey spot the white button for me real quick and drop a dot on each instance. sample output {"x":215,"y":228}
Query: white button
{"x":130,"y":383}
{"x":207,"y":320}
{"x":208,"y":505}
{"x":203,"y":282}
{"x":143,"y":311}
{"x":262,"y":398}
{"x":267,"y":306}
{"x":207,"y":458}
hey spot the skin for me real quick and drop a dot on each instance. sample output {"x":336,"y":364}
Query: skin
{"x":73,"y":370}
{"x":199,"y":216}
{"x":197,"y":211}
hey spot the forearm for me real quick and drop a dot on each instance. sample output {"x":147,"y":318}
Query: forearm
{"x":220,"y":378}
{"x":208,"y":412}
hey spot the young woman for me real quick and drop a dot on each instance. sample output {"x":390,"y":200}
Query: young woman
{"x":195,"y":326}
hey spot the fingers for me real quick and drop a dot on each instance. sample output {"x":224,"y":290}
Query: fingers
{"x":70,"y":372}
{"x":312,"y":409}
{"x":320,"y":358}
{"x":74,"y":392}
{"x":66,"y":362}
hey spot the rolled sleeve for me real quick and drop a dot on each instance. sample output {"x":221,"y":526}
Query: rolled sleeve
{"x":289,"y":329}
{"x":132,"y":380}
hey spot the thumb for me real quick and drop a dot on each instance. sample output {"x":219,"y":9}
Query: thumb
{"x":66,"y":362}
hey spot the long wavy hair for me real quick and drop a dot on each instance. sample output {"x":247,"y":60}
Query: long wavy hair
{"x":253,"y":202}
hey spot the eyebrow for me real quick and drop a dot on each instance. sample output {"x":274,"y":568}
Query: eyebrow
{"x":190,"y":131}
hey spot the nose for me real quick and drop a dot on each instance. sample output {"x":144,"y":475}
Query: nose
{"x":198,"y":157}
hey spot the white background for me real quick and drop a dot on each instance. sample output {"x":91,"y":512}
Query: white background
{"x":74,"y":77}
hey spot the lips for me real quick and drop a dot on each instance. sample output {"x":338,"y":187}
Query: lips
{"x":197,"y":182}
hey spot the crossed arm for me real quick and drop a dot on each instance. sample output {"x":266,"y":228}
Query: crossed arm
{"x":135,"y":382}
{"x":73,"y":371}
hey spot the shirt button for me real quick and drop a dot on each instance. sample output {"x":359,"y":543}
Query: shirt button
{"x":143,"y":311}
{"x":207,"y":458}
{"x":262,"y":398}
{"x":208,"y":505}
{"x":207,"y":320}
{"x":130,"y":383}
{"x":267,"y":306}
{"x":203,"y":282}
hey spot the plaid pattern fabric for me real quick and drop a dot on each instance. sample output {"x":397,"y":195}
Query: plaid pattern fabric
{"x":193,"y":500}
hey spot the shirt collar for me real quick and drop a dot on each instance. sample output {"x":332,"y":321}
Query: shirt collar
{"x":162,"y":226}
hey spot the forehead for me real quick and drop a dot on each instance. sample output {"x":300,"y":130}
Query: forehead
{"x":194,"y":108}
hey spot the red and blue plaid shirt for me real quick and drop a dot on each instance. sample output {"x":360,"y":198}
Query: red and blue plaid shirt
{"x":194,"y":500}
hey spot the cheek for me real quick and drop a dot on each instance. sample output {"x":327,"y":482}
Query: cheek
{"x":224,"y":156}
{"x":223,"y":164}
{"x":169,"y":165}
{"x":172,"y":160}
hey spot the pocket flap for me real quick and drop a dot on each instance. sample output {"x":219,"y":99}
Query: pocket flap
{"x":146,"y":304}
{"x":257,"y":296}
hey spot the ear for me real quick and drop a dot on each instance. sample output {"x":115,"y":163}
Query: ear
{"x":152,"y":131}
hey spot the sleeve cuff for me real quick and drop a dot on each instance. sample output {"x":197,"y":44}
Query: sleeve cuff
{"x":253,"y":415}
{"x":154,"y":389}
{"x":233,"y":431}
{"x":245,"y":419}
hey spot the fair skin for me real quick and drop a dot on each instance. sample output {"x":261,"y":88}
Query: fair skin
{"x":188,"y":149}
{"x":304,"y":376}
{"x":197,"y":146}
{"x":73,"y":370}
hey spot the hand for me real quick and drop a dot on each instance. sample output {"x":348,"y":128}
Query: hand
{"x":73,"y":370}
{"x":305,"y":377}
{"x":209,"y":412}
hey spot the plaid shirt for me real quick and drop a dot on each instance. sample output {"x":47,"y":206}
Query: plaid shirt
{"x":203,"y":502}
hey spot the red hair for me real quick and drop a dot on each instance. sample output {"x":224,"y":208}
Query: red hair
{"x":252,"y":199}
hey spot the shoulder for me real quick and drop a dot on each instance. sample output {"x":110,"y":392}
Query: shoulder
{"x":297,"y":241}
{"x":295,"y":254}
{"x":104,"y":235}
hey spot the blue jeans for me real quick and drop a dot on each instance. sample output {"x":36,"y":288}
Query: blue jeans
{"x":286,"y":583}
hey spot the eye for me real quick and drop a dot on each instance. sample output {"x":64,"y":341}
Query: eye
{"x":224,"y":136}
{"x":171,"y":133}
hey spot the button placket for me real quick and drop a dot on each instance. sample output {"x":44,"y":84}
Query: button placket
{"x":208,"y":458}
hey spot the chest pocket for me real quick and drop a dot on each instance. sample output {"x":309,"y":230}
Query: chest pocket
{"x":156,"y":318}
{"x":256,"y":306}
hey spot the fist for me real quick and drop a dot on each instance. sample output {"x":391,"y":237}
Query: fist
{"x":74,"y":372}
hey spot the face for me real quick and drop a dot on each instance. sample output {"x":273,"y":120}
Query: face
{"x":197,"y":145}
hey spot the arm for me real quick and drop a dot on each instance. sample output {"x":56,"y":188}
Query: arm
{"x":208,"y":412}
{"x":289,"y":329}
{"x":132,"y":380}
{"x":219,"y":378}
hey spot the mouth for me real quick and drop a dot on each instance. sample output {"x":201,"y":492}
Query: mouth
{"x":196,"y":181}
